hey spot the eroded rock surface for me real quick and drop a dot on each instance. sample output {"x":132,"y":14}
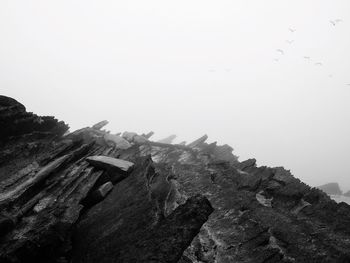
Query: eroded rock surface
{"x":152,"y":213}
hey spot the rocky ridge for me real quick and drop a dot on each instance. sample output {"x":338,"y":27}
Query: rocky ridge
{"x":93,"y":196}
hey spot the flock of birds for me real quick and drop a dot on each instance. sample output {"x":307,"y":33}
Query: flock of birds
{"x":307,"y":58}
{"x":281,"y":52}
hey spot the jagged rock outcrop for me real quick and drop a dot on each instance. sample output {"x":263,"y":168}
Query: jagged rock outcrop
{"x":15,"y":122}
{"x":57,"y":207}
{"x":128,"y":220}
{"x":48,"y":186}
{"x":331,"y":189}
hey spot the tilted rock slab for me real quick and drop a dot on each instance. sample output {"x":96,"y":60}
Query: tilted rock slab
{"x":118,"y":141}
{"x":110,"y":163}
{"x":125,"y":226}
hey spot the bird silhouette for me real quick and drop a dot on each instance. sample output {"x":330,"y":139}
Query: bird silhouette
{"x":280,"y":51}
{"x":290,"y":41}
{"x":335,"y":21}
{"x":318,"y":64}
{"x":292,"y":30}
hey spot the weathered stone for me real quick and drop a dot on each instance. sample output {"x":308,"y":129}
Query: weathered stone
{"x":148,"y":135}
{"x":224,"y":153}
{"x":249,"y":182}
{"x":104,"y":189}
{"x":100,"y":125}
{"x":263,"y":200}
{"x":98,"y":195}
{"x":198,"y":142}
{"x":168,"y":140}
{"x":247,"y":164}
{"x":110,"y":163}
{"x":300,"y":206}
{"x":138,"y":139}
{"x":124,"y":227}
{"x":15,"y":121}
{"x":36,"y":225}
{"x":117,"y":141}
{"x":129,"y":136}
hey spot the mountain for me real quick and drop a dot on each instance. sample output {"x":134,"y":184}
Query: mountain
{"x":93,"y":196}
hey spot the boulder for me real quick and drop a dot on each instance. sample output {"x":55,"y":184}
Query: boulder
{"x":129,"y":136}
{"x":331,"y":189}
{"x":138,"y":139}
{"x":110,"y":163}
{"x":118,"y":141}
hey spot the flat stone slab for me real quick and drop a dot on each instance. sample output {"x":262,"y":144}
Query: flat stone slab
{"x":107,"y":163}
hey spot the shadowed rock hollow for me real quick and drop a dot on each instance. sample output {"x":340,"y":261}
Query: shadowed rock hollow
{"x":93,"y":196}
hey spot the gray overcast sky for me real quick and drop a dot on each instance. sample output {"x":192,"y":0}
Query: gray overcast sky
{"x":189,"y":68}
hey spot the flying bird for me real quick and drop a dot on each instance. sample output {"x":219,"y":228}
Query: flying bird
{"x":292,"y":30}
{"x":289,"y":41}
{"x":335,"y":22}
{"x":280,"y":51}
{"x":318,"y":64}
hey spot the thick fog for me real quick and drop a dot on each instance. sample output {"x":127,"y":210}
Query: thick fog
{"x":270,"y":78}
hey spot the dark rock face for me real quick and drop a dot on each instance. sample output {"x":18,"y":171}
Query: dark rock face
{"x":127,"y":220}
{"x":56,"y":207}
{"x":331,"y":189}
{"x":15,"y":121}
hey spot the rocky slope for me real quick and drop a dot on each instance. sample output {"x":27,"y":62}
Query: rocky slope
{"x":92,"y":196}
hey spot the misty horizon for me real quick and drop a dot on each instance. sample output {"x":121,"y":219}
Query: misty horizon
{"x":270,"y":79}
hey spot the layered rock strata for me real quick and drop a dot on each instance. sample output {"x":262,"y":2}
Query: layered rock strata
{"x":178,"y":203}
